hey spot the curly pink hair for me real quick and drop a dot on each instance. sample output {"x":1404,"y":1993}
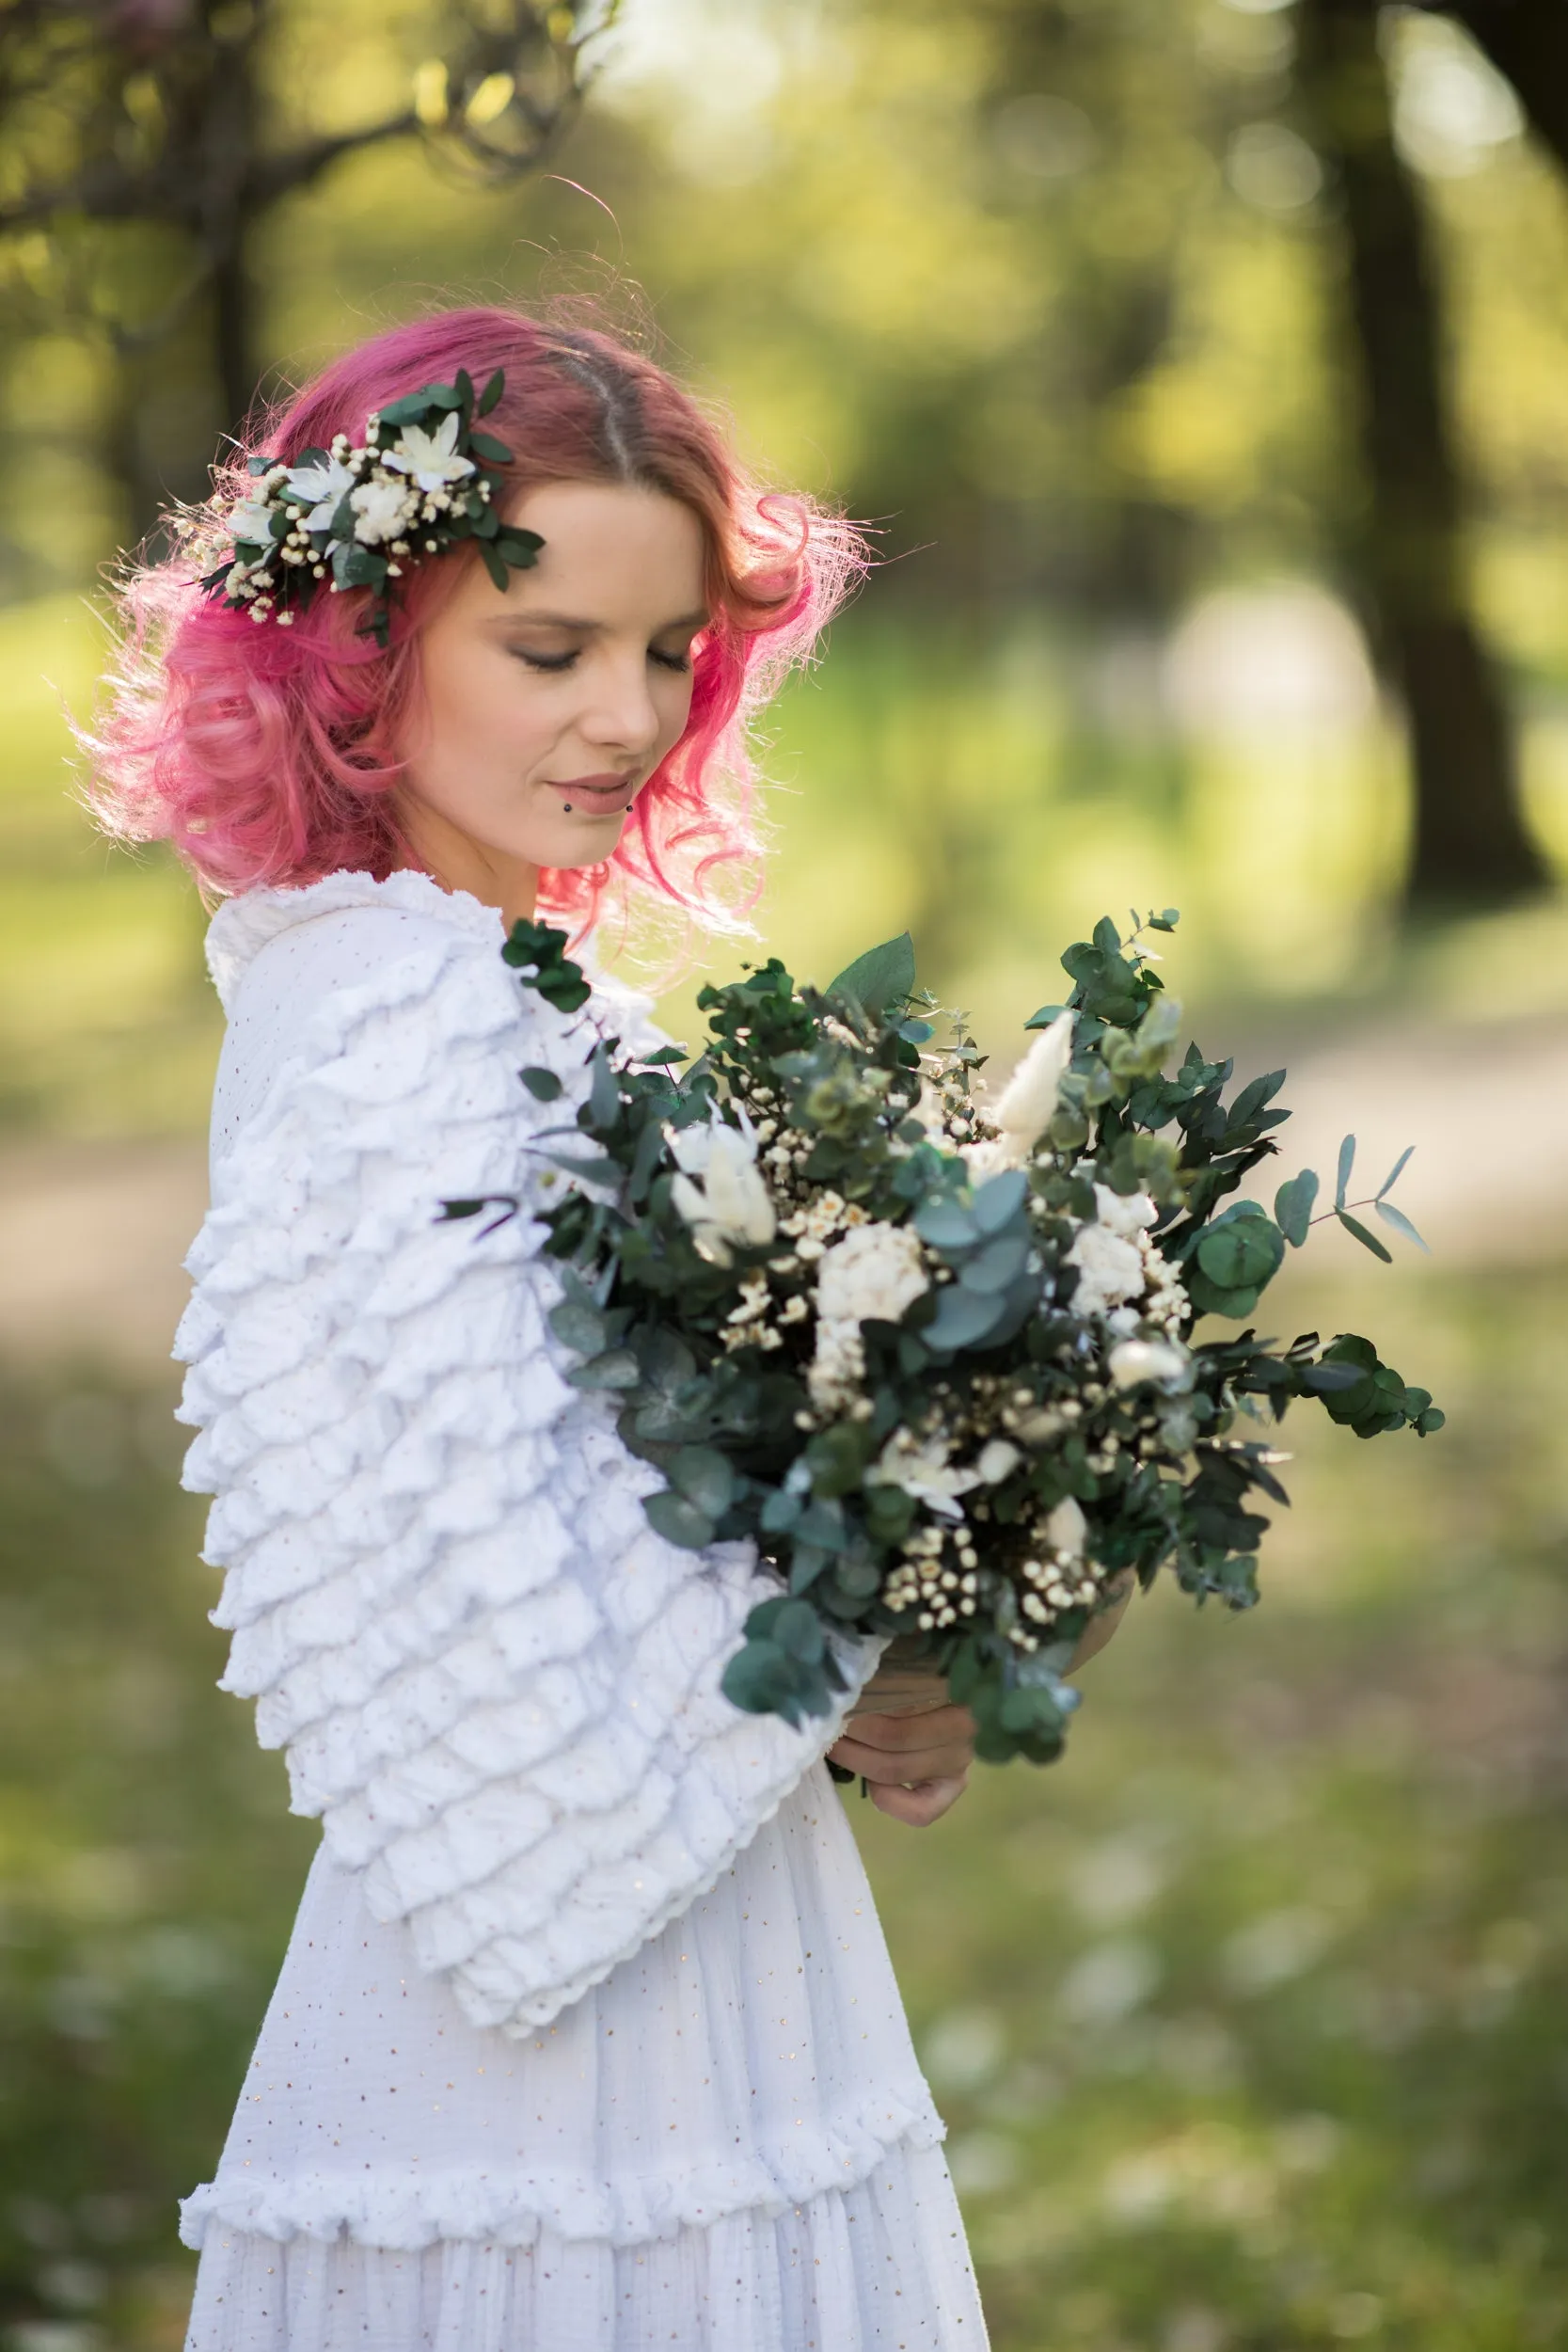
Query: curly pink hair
{"x":264,"y":755}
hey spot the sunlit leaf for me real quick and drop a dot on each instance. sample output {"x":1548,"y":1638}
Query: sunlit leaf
{"x":1398,"y":1223}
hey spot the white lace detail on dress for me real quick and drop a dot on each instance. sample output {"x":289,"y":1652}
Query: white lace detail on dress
{"x":495,"y":1686}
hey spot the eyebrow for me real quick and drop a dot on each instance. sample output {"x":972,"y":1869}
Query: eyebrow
{"x":572,"y":621}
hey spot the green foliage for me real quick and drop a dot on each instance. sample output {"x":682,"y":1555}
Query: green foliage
{"x":698,"y":1310}
{"x":883,"y":978}
{"x":318,"y":544}
{"x":538,"y":952}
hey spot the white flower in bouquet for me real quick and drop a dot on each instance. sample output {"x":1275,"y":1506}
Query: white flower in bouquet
{"x":1027,"y":1103}
{"x":923,"y":1469}
{"x":873,"y":1274}
{"x":1110,"y":1270}
{"x":1125,"y":1213}
{"x":838,"y":1367}
{"x":1067,"y":1531}
{"x":996,"y":1461}
{"x":732,"y":1203}
{"x":383,"y":508}
{"x":1161,"y":1363}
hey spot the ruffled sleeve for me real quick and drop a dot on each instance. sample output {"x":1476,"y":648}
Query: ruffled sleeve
{"x":494,"y":1683}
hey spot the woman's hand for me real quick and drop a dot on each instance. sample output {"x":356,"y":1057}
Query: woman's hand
{"x":916,"y":1764}
{"x":913,"y":1748}
{"x":910,"y":1745}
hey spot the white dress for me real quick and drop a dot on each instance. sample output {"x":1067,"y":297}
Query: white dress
{"x":587,"y":2038}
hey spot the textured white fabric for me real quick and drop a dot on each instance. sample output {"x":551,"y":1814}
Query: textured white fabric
{"x":880,"y":2267}
{"x":494,"y":1684}
{"x":751,"y":2055}
{"x":587,"y":2035}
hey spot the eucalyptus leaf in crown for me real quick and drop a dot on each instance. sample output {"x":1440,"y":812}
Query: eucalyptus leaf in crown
{"x":938,"y":1360}
{"x":424,"y":482}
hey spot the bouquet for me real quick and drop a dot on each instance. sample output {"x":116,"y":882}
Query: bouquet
{"x":937,"y":1356}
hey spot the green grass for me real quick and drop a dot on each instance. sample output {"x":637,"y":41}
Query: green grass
{"x":1247,"y":2019}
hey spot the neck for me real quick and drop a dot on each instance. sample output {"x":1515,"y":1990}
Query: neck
{"x":454,"y":861}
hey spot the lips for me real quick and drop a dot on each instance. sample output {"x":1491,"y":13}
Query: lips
{"x":602,"y":794}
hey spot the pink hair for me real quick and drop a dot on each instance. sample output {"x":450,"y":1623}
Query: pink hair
{"x":265,"y":755}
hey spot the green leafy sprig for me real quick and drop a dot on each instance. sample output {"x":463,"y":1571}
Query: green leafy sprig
{"x":305,"y":522}
{"x":859,"y":1116}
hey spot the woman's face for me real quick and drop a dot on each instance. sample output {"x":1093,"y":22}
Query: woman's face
{"x":544,"y":708}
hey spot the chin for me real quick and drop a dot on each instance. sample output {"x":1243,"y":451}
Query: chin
{"x":585,"y":843}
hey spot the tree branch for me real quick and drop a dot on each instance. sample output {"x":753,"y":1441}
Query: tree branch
{"x":272,"y":176}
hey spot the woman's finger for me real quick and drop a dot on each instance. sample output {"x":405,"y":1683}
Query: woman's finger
{"x":887,"y":1767}
{"x":902,"y":1733}
{"x":926,"y":1803}
{"x":888,"y":1748}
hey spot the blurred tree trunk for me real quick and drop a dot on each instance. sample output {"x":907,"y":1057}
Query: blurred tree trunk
{"x":1528,"y":43}
{"x":227,"y":205}
{"x":1470,"y":845}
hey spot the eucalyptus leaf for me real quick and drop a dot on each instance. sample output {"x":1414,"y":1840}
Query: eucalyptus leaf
{"x":1341,"y":1181}
{"x":884,"y":976}
{"x":1243,"y":1253}
{"x":1293,"y":1204}
{"x":798,"y":1630}
{"x":999,"y":1200}
{"x":1367,"y":1241}
{"x":579,"y":1326}
{"x":759,"y":1676}
{"x":1395,"y":1173}
{"x":963,"y":1319}
{"x":678,"y":1522}
{"x":704,"y":1477}
{"x":1399,"y":1223}
{"x":616,"y":1368}
{"x":999,"y":1263}
{"x":946,"y":1225}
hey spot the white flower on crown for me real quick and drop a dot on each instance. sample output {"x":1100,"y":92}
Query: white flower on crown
{"x":252,"y":522}
{"x":430,"y":458}
{"x":381,"y":509}
{"x":324,"y":485}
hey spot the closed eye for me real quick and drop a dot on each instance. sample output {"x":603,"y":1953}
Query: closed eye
{"x":553,"y":664}
{"x":548,"y":661}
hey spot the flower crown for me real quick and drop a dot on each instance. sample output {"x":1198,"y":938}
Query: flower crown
{"x":424,"y":482}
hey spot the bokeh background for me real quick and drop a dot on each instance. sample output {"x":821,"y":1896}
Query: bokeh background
{"x":1204,"y":366}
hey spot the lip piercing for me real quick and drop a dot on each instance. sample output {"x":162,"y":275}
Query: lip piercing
{"x":567,"y":806}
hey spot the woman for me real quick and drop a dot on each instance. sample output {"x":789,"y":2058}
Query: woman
{"x":586,"y":2039}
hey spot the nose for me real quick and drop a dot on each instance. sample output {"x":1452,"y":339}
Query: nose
{"x":620,"y":714}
